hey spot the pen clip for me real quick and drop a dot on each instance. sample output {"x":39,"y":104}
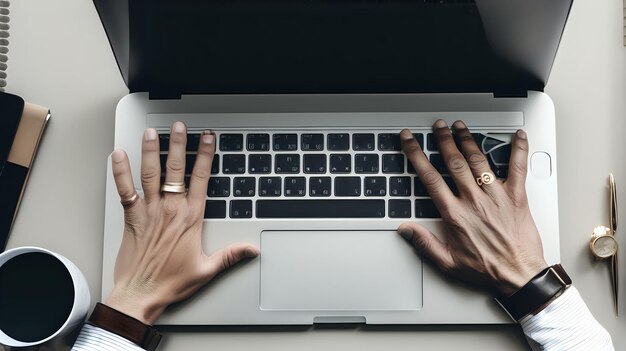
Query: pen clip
{"x":612,"y":204}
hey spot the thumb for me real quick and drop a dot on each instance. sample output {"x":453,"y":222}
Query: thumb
{"x":227,"y":257}
{"x":427,"y":244}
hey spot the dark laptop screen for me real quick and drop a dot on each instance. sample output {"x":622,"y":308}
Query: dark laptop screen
{"x":344,"y":46}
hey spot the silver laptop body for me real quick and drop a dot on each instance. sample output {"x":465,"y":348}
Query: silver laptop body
{"x":328,"y":256}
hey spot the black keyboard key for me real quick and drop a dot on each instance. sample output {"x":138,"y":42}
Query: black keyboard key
{"x":233,"y":164}
{"x":437,"y":161}
{"x":400,"y":186}
{"x":399,"y":208}
{"x":389,"y":142}
{"x":409,"y":167}
{"x":192,"y":142}
{"x":241,"y":209}
{"x":501,"y":172}
{"x":244,"y":186}
{"x":362,"y":142}
{"x":163,"y":161}
{"x":393,"y":163}
{"x":338,"y":142}
{"x":285,"y":142}
{"x":258,"y":142}
{"x":164,"y":142}
{"x":347,"y":186}
{"x":312,"y":142}
{"x":219,"y":187}
{"x":231,"y":142}
{"x":320,"y":208}
{"x":286,"y":163}
{"x":418,"y":187}
{"x":375,"y":186}
{"x":366,"y":163}
{"x":319,"y":186}
{"x":269,"y":186}
{"x":340,"y":163}
{"x":215,"y":166}
{"x":425,"y":208}
{"x":295,"y":186}
{"x":315,"y":163}
{"x":431,"y":143}
{"x":190,"y":160}
{"x":260,"y":163}
{"x":215,"y":209}
{"x":420,"y":139}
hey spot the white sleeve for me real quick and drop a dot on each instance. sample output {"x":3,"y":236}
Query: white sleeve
{"x":97,"y":339}
{"x":566,"y":324}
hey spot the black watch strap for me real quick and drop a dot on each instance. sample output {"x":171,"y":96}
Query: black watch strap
{"x":540,"y":290}
{"x":116,"y":322}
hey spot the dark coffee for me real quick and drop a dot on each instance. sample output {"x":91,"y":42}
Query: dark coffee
{"x":36,"y":296}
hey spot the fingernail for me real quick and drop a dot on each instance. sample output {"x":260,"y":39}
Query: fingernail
{"x":179,"y":127}
{"x":208,"y":139}
{"x":150,"y":134}
{"x":459,"y":125}
{"x":522,"y":134}
{"x":406,"y":135}
{"x":441,"y":124}
{"x":251,"y":252}
{"x":117,"y":156}
{"x":405,"y":232}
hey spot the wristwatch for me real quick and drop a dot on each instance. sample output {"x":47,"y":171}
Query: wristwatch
{"x":116,"y":322}
{"x":536,"y":294}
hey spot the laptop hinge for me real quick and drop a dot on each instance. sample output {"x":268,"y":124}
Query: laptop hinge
{"x":511,"y":94}
{"x":164,"y":95}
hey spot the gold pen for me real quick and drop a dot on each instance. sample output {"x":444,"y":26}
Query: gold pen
{"x":603,"y":244}
{"x":613,"y":224}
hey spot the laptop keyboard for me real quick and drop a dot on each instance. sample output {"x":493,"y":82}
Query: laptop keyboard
{"x":343,"y":174}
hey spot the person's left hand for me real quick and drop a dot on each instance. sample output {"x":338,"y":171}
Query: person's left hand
{"x":161,"y":260}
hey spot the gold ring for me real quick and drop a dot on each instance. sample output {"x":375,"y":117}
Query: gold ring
{"x":130,"y":201}
{"x":485,"y":178}
{"x":173,"y":187}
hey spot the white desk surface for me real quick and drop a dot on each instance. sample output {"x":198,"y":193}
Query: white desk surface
{"x":60,"y":58}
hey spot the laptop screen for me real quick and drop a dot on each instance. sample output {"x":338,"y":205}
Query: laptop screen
{"x":344,"y":46}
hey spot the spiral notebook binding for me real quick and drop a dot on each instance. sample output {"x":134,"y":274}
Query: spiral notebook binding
{"x":4,"y":42}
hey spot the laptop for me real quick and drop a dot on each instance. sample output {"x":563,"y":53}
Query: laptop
{"x":307,"y":99}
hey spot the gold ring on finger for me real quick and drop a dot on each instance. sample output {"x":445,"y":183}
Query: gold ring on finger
{"x":126,"y":203}
{"x":173,"y":187}
{"x":485,"y":178}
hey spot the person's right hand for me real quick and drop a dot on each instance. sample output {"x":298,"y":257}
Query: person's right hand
{"x":491,"y":237}
{"x":161,"y":259}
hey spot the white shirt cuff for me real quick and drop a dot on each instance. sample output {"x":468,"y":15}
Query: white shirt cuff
{"x":566,"y":324}
{"x":97,"y":339}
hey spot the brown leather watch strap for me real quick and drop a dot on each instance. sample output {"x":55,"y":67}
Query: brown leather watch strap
{"x":540,"y":290}
{"x":116,"y":322}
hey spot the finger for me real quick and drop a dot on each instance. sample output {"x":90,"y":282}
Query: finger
{"x":123,"y":177}
{"x":435,"y":185}
{"x":227,"y":257}
{"x":476,"y":160}
{"x":175,"y":165}
{"x":150,"y":165}
{"x":427,"y":244}
{"x":518,"y":164}
{"x":202,"y":168}
{"x":452,"y":157}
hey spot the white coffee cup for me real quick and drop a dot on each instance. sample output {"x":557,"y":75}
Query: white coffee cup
{"x":80,"y":306}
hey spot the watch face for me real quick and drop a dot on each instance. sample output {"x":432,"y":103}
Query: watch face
{"x":605,"y":246}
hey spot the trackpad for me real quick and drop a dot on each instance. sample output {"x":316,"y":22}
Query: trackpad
{"x":339,"y":270}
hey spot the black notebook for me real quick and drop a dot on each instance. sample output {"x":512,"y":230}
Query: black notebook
{"x":21,"y":127}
